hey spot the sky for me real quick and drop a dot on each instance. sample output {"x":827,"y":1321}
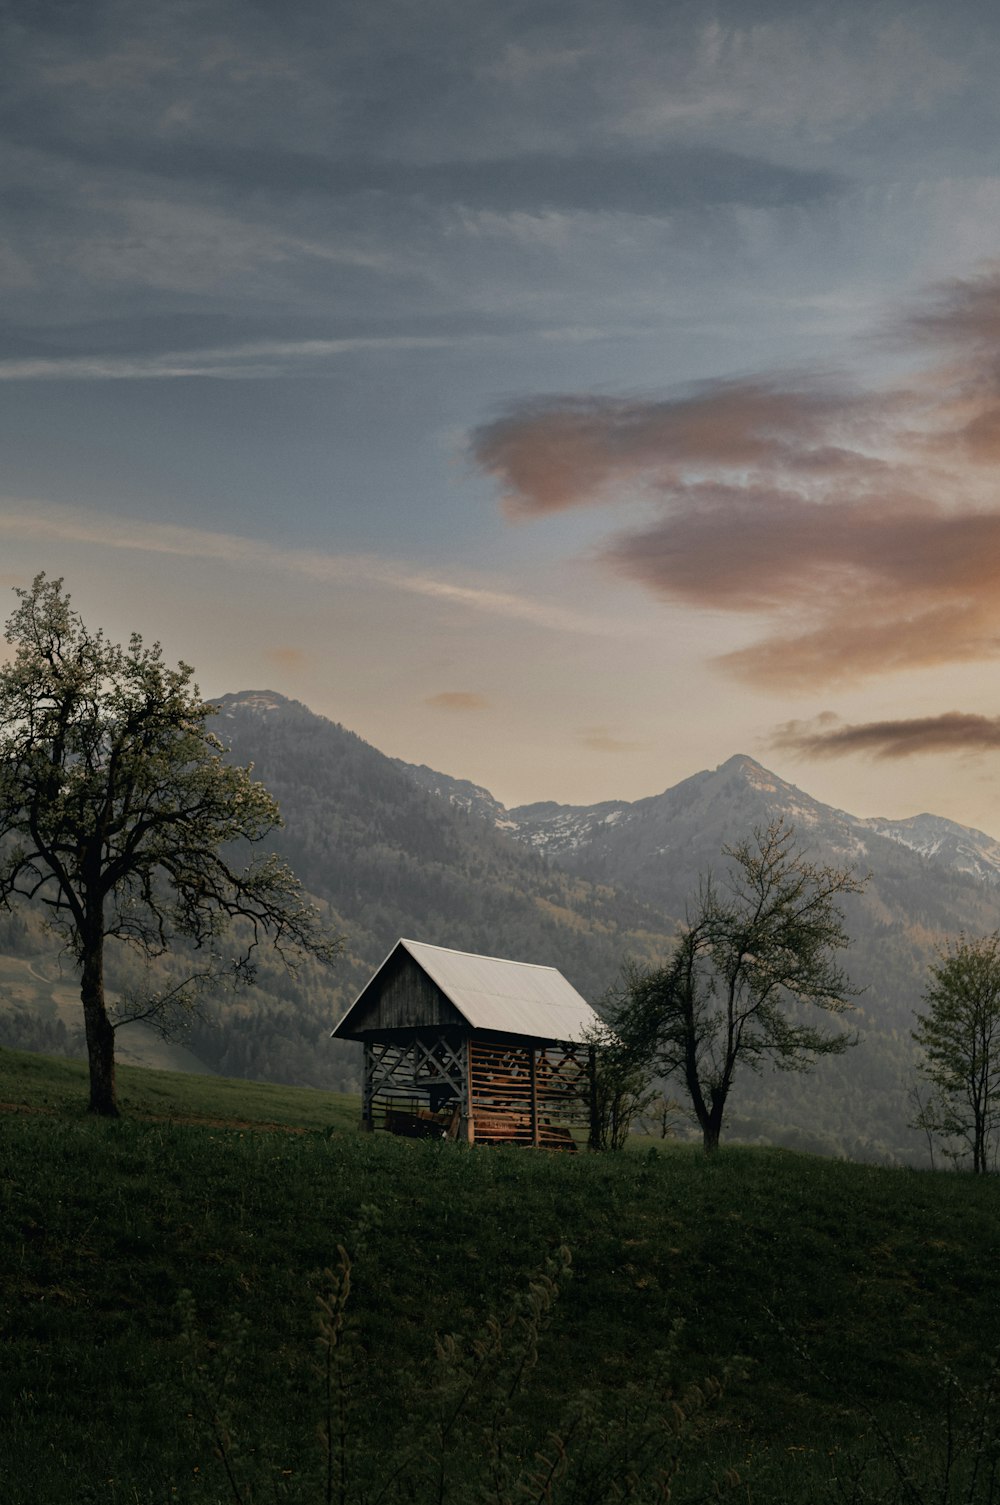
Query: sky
{"x":567,"y":395}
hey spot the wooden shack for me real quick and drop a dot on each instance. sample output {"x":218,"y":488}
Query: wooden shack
{"x":473,"y":1047}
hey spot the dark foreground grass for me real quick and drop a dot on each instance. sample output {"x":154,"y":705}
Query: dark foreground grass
{"x":848,"y":1294}
{"x":37,"y":1084}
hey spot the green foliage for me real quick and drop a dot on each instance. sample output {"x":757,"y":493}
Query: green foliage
{"x":960,"y":1039}
{"x":118,"y":813}
{"x":621,"y":1089}
{"x":749,"y":961}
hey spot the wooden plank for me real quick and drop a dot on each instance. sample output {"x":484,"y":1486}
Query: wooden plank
{"x":527,"y":1094}
{"x":403,"y":997}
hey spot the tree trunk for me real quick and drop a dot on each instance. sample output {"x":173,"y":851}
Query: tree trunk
{"x":100,"y":1034}
{"x":711,"y":1120}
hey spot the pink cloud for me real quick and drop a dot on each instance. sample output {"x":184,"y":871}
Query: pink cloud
{"x":556,"y":454}
{"x":861,"y":529}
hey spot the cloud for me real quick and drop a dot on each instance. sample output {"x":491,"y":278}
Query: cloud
{"x":260,"y":359}
{"x":287,"y":658}
{"x":555,"y":453}
{"x":953,"y":731}
{"x":860,"y":529}
{"x":647,"y":183}
{"x":457,"y":700}
{"x":34,"y":521}
{"x":964,"y":311}
{"x":601,"y":739}
{"x":657,"y":180}
{"x":328,"y":83}
{"x":831,"y":74}
{"x":860,"y":584}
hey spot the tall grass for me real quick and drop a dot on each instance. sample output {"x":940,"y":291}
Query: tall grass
{"x":472,"y":1431}
{"x":861,"y":1305}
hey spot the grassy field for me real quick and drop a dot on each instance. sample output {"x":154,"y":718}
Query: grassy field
{"x":159,"y":1279}
{"x":37,"y":1084}
{"x":44,"y":988}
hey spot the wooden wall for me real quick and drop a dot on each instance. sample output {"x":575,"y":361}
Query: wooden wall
{"x":520,"y":1094}
{"x":402,"y":996}
{"x":495,"y":1090}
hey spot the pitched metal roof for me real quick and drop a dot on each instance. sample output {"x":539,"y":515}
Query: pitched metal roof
{"x":510,"y":998}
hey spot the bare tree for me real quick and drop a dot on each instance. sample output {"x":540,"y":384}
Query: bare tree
{"x":750,"y":957}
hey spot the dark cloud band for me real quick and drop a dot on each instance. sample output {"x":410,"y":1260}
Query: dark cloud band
{"x":954,"y":731}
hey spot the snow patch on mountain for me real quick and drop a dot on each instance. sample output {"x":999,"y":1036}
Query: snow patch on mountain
{"x":945,"y":842}
{"x":462,"y":794}
{"x":664,"y":824}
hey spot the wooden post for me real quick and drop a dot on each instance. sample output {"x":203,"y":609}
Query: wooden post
{"x":536,"y":1137}
{"x":367,"y":1073}
{"x":467,"y":1128}
{"x":595,"y":1130}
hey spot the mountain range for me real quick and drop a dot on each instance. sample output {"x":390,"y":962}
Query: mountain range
{"x":391,"y":849}
{"x":627,"y":842}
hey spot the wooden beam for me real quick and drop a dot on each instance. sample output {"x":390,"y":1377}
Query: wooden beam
{"x":533,"y":1071}
{"x":467,"y":1128}
{"x":367,"y":1122}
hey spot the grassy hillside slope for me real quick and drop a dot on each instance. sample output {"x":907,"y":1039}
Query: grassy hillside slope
{"x":840,"y":1296}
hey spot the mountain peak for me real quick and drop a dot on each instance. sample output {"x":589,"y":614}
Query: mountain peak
{"x":753,"y":771}
{"x":788,"y":798}
{"x":261,"y":702}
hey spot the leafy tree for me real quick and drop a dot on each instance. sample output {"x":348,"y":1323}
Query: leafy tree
{"x":730,"y":994}
{"x":960,"y":1038}
{"x":620,"y":1087}
{"x":118,"y":810}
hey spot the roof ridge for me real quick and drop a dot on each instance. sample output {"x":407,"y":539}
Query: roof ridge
{"x":508,"y":961}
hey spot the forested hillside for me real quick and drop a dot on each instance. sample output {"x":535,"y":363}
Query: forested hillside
{"x":384,"y":859}
{"x":929,"y":880}
{"x":391,"y":851}
{"x":391,"y":860}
